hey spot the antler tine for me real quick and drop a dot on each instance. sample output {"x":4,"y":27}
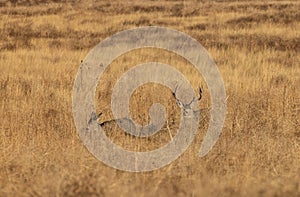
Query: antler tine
{"x":191,"y":101}
{"x":174,"y":92}
{"x":200,"y":91}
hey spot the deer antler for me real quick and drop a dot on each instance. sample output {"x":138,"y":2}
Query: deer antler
{"x":177,"y":100}
{"x":187,"y":105}
{"x":200,"y":96}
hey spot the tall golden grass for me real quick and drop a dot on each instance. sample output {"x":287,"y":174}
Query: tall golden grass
{"x":256,"y":46}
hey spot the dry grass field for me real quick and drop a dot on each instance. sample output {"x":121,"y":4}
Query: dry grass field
{"x":256,"y":45}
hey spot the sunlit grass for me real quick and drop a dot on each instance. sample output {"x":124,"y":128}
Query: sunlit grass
{"x":257,"y":53}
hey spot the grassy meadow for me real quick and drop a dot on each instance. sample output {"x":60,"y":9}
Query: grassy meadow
{"x":256,"y":45}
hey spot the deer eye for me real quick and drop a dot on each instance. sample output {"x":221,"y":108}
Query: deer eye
{"x":179,"y":103}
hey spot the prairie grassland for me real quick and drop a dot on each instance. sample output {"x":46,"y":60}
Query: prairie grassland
{"x":256,"y":46}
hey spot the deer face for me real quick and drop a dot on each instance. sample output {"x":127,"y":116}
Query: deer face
{"x":187,"y":107}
